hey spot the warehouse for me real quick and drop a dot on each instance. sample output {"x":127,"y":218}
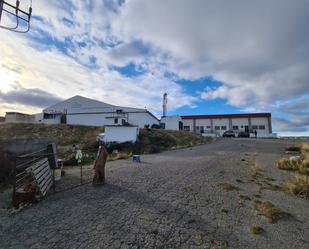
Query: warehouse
{"x":17,"y":117}
{"x":79,"y":110}
{"x":218,"y":124}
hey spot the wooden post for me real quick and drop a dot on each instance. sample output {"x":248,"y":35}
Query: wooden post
{"x":81,"y":174}
{"x":14,"y":181}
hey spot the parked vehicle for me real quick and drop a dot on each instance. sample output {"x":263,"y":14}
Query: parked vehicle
{"x":229,"y":134}
{"x":243,"y":134}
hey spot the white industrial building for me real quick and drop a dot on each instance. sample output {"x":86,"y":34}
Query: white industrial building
{"x":79,"y":110}
{"x":218,"y":124}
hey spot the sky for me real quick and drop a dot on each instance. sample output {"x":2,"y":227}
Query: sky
{"x":210,"y":56}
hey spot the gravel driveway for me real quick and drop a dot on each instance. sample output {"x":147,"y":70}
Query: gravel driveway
{"x":170,"y":200}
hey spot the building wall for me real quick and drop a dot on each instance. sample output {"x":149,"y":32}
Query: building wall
{"x":241,"y":123}
{"x":19,"y":118}
{"x":139,"y":119}
{"x":260,"y":123}
{"x":121,"y":134}
{"x":220,"y":125}
{"x":89,"y":119}
{"x":171,"y":122}
{"x":187,"y":123}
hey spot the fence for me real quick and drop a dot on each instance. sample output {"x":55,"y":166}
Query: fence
{"x":40,"y":173}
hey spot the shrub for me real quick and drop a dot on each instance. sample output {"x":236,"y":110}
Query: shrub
{"x":228,"y":186}
{"x":155,"y":126}
{"x":256,"y":230}
{"x":299,"y":186}
{"x":287,"y":164}
{"x":296,"y":148}
{"x":269,"y":210}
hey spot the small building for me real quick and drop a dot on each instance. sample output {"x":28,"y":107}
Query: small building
{"x":17,"y":117}
{"x":120,"y":133}
{"x":79,"y":110}
{"x":218,"y":124}
{"x":171,"y":123}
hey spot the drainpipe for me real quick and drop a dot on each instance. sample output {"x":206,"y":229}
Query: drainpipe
{"x":194,"y":125}
{"x":269,"y":125}
{"x":211,"y":126}
{"x":249,"y":124}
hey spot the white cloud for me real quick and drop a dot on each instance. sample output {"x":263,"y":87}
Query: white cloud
{"x":243,"y":44}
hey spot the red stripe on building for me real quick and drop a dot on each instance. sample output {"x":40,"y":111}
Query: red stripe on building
{"x":240,"y":115}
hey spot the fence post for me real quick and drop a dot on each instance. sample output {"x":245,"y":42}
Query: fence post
{"x":81,"y":174}
{"x":14,"y":181}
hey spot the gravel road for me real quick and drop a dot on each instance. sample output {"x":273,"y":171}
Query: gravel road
{"x":170,"y":200}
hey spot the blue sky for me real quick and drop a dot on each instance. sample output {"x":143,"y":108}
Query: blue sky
{"x":211,"y":57}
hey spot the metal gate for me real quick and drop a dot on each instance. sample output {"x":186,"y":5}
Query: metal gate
{"x":41,"y":173}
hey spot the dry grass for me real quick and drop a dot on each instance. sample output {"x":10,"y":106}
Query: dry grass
{"x":256,"y":230}
{"x":228,"y":186}
{"x":244,"y":197}
{"x":287,"y":164}
{"x":299,"y":186}
{"x":269,"y":210}
{"x":119,"y":156}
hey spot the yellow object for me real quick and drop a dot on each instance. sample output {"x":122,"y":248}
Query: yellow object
{"x":79,"y":156}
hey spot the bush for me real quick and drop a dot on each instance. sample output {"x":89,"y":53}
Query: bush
{"x":155,"y":126}
{"x":299,"y":186}
{"x":287,"y":164}
{"x":269,"y":210}
{"x":121,"y":147}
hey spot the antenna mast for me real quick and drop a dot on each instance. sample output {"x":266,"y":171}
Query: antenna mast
{"x":22,"y":17}
{"x":164,"y":104}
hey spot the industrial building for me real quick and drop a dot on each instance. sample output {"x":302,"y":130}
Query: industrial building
{"x":17,"y":117}
{"x":79,"y":110}
{"x":218,"y":124}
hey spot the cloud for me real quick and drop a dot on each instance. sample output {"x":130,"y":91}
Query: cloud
{"x":259,"y":57}
{"x":62,"y":76}
{"x":257,"y":51}
{"x":29,"y":97}
{"x":294,"y":123}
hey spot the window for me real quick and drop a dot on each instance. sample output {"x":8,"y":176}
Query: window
{"x":217,"y":127}
{"x":197,"y":128}
{"x":186,"y":128}
{"x":254,"y":127}
{"x":262,"y":127}
{"x":119,"y":111}
{"x":116,"y":121}
{"x":123,"y":121}
{"x":202,"y":129}
{"x":49,"y":116}
{"x":208,"y":127}
{"x":162,"y":125}
{"x":235,"y":127}
{"x":223,"y":127}
{"x":242,"y":126}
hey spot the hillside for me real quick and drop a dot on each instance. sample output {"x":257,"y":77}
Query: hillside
{"x":150,"y":140}
{"x":61,"y":133}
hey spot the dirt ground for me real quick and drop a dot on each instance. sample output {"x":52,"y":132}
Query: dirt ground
{"x":176,"y":199}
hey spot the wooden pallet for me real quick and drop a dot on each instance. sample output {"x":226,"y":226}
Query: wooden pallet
{"x":41,"y":174}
